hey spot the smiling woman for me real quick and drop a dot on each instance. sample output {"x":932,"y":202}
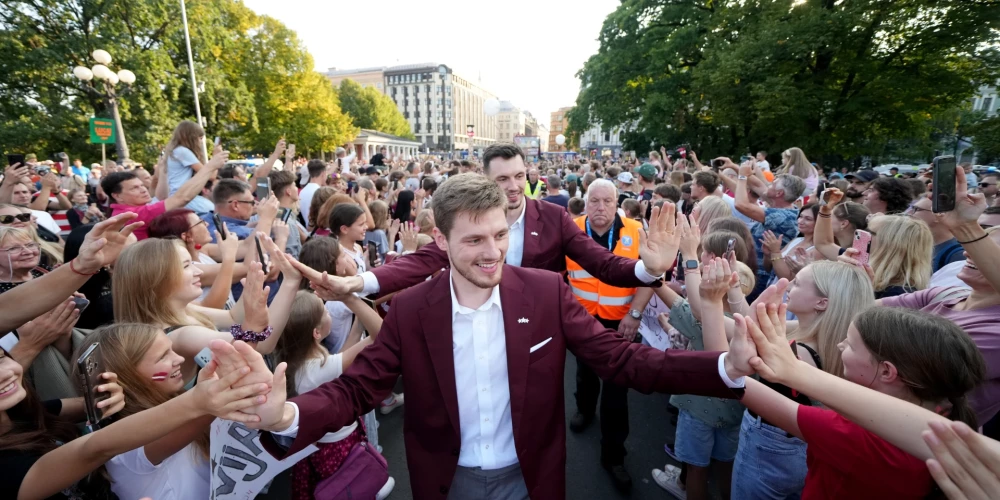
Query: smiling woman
{"x":19,"y":258}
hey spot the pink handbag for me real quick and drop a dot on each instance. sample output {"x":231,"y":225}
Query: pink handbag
{"x":363,"y":473}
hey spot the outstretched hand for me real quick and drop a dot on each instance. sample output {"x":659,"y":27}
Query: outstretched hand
{"x":776,"y":361}
{"x":966,"y":464}
{"x":741,"y":351}
{"x":105,"y":242}
{"x":658,"y":247}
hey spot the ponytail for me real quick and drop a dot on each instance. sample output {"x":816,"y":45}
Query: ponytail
{"x":961,"y":411}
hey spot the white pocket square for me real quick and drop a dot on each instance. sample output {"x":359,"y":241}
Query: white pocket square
{"x":539,"y":345}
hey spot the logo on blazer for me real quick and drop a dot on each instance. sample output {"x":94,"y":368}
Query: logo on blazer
{"x":522,"y":320}
{"x":627,"y":241}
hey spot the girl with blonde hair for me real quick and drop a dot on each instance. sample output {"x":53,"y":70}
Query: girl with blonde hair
{"x":901,"y":255}
{"x":156,"y":283}
{"x":709,"y":209}
{"x":185,"y":155}
{"x":794,"y":162}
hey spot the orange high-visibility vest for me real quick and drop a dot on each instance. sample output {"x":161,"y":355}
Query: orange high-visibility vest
{"x":599,"y":299}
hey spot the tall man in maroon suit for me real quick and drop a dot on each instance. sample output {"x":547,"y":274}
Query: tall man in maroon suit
{"x":482,"y":348}
{"x":541,"y":236}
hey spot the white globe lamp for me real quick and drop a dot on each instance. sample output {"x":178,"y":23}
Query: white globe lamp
{"x":101,"y":56}
{"x":83,"y":73}
{"x":491,"y":107}
{"x":560,"y":139}
{"x":127,"y":77}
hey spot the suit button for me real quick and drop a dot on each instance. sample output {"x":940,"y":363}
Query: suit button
{"x":443,"y":490}
{"x":454,"y":452}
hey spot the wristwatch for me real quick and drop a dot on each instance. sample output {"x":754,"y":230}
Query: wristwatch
{"x":635,"y":313}
{"x":691,"y":264}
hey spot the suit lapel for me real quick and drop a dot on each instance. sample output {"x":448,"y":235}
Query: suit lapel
{"x":518,"y":339}
{"x":435,"y":320}
{"x":533,"y":229}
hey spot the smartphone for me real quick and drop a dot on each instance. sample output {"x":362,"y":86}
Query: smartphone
{"x":863,"y":244}
{"x":372,"y":254}
{"x":822,"y":188}
{"x":81,"y":303}
{"x":15,"y":158}
{"x":89,"y":366}
{"x":730,"y":249}
{"x":219,"y":226}
{"x":218,"y":140}
{"x":263,"y":188}
{"x":718,"y":163}
{"x":944,"y":184}
{"x":260,"y":254}
{"x":745,"y":158}
{"x":203,"y":357}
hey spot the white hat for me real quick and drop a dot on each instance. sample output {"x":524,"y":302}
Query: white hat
{"x":625,"y":177}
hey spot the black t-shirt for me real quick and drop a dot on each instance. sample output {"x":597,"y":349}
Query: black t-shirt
{"x":378,"y":160}
{"x":15,"y":464}
{"x":36,"y":273}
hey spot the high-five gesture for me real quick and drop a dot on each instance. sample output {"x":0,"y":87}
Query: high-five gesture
{"x":776,"y":362}
{"x":104,"y":242}
{"x":658,"y":248}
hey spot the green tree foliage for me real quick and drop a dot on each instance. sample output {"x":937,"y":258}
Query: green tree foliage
{"x":986,"y":139}
{"x":259,"y":82}
{"x":371,"y":109}
{"x":839,"y":79}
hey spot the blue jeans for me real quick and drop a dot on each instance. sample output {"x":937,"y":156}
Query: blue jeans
{"x":770,"y":464}
{"x":698,"y":443}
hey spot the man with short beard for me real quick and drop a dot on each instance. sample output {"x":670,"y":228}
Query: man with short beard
{"x":860,"y":182}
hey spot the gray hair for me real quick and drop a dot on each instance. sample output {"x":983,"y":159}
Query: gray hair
{"x":792,"y":186}
{"x":599,"y":183}
{"x":554,"y":182}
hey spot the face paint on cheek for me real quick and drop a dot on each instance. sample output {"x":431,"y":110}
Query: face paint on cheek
{"x":160,"y":376}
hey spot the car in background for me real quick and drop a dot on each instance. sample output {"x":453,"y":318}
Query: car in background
{"x":903,"y":169}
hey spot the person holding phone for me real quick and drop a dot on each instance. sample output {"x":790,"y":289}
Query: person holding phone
{"x":184,"y":157}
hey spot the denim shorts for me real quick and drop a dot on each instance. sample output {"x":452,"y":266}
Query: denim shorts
{"x":698,"y":443}
{"x":770,"y":464}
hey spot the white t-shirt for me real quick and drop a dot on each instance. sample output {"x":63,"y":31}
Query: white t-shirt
{"x":182,"y":476}
{"x":341,"y":320}
{"x":764,"y":165}
{"x":306,"y":199}
{"x":179,"y":171}
{"x":316,"y":372}
{"x":45,"y":220}
{"x":947,"y":276}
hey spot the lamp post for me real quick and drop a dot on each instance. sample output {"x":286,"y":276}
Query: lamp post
{"x":100,"y":81}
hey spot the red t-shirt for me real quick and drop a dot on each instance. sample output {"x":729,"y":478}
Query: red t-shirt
{"x":146,"y":214}
{"x":847,"y":461}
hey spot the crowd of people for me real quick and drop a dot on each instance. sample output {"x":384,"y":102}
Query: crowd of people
{"x":821,"y":334}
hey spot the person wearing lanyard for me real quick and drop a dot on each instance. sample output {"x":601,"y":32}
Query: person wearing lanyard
{"x":615,"y":308}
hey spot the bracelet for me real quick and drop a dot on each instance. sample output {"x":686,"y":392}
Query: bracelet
{"x":973,"y":241}
{"x":71,"y":268}
{"x":741,"y":301}
{"x":776,"y":258}
{"x":250,"y":336}
{"x":741,"y":177}
{"x":821,"y":214}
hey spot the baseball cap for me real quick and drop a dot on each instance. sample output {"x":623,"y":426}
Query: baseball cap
{"x":572,"y":178}
{"x":647,"y":171}
{"x":863,"y":175}
{"x":625,"y":177}
{"x":371,"y":171}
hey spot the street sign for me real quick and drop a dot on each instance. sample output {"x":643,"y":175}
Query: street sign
{"x":470,"y":130}
{"x":102,"y":131}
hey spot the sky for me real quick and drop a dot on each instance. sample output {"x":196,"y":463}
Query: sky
{"x":524,"y":51}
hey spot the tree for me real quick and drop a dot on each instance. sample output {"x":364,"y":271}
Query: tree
{"x":373,"y":110}
{"x":259,"y":82}
{"x":986,"y":139}
{"x":839,"y":79}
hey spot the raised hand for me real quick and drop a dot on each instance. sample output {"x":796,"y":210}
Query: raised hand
{"x":393,"y":229}
{"x":268,"y":208}
{"x":690,"y":236}
{"x":741,"y":351}
{"x":832,"y":196}
{"x":776,"y":361}
{"x":279,"y":148}
{"x":218,"y":396}
{"x":966,"y":464}
{"x":409,"y":237}
{"x":255,"y":298}
{"x":771,"y":244}
{"x":283,"y":260}
{"x":51,"y":326}
{"x":116,"y":400}
{"x":228,"y":245}
{"x":774,"y":294}
{"x":968,"y":207}
{"x":658,"y":247}
{"x":850,"y":257}
{"x":717,"y":279}
{"x":50,"y":181}
{"x":240,"y":358}
{"x":14,"y":173}
{"x":105,"y":242}
{"x":219,"y":158}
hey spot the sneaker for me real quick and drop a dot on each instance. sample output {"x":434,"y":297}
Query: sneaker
{"x":392,"y":403}
{"x":669,"y":479}
{"x":386,"y":489}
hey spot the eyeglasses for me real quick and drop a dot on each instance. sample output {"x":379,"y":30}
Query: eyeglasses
{"x":914,"y":209}
{"x":28,"y":247}
{"x":9,"y":219}
{"x":196,"y":224}
{"x":251,"y":202}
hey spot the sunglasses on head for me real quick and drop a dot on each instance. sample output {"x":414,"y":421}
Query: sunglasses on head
{"x":9,"y":219}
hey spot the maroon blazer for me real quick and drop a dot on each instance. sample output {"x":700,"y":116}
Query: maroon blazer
{"x":550,"y":236}
{"x":416,"y":341}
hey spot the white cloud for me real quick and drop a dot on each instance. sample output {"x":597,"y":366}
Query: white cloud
{"x":526,"y":51}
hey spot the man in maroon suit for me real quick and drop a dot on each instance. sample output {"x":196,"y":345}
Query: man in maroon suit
{"x":541,"y":236}
{"x":482,"y":348}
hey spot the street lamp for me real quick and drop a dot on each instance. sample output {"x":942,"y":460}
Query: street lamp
{"x":106,"y":91}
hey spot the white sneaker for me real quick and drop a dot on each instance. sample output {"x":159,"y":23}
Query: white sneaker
{"x":669,"y":479}
{"x":386,"y":489}
{"x":396,"y":402}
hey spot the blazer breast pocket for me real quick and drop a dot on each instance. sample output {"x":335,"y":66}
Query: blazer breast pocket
{"x":542,"y":349}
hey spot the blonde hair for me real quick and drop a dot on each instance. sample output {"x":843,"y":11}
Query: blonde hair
{"x":794,"y":162}
{"x":54,"y":251}
{"x":748,"y":279}
{"x":425,"y":221}
{"x":189,"y":135}
{"x":380,"y":214}
{"x":711,"y":207}
{"x":145,"y":276}
{"x":904,"y":253}
{"x":122,"y":346}
{"x":849,"y":292}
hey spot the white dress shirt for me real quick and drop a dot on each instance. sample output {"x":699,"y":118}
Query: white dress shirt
{"x":515,"y":254}
{"x":480,"y":352}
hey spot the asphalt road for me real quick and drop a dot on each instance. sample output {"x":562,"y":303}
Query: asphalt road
{"x":651,"y":425}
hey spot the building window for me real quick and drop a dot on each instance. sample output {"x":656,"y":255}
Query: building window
{"x":987,"y":104}
{"x":416,"y":128}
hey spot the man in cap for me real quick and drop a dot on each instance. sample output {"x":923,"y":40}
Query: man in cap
{"x":647,"y":180}
{"x":860,"y":182}
{"x":626,"y":189}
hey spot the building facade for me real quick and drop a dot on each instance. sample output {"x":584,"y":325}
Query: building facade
{"x":510,"y":122}
{"x":368,"y":143}
{"x":986,"y":100}
{"x":366,"y":77}
{"x":558,"y":124}
{"x":598,"y":143}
